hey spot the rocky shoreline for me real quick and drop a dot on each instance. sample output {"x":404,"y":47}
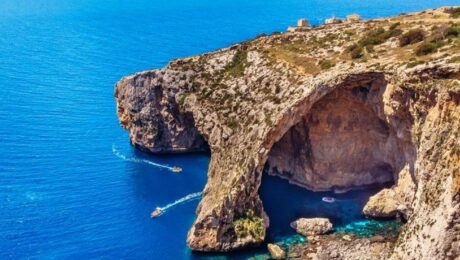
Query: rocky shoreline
{"x":343,"y":246}
{"x":322,"y":242}
{"x":336,"y":245}
{"x":339,"y":105}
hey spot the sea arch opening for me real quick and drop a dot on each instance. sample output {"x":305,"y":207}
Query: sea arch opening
{"x":341,"y":146}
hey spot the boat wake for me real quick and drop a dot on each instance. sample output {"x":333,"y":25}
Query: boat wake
{"x":137,"y":160}
{"x":189,"y":197}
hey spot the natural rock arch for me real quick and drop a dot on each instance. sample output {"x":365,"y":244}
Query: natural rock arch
{"x":213,"y":229}
{"x":238,"y":157}
{"x":242,"y":101}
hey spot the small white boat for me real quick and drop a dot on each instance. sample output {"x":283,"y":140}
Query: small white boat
{"x":176,"y":169}
{"x":156,"y":213}
{"x":329,"y":199}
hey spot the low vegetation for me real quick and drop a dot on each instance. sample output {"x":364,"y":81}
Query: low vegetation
{"x":250,"y":225}
{"x":239,"y":62}
{"x":454,"y":60}
{"x":428,"y":47}
{"x":378,"y":36}
{"x":440,"y":37}
{"x":326,"y":64}
{"x":371,"y":38}
{"x":454,"y":12}
{"x":411,"y":37}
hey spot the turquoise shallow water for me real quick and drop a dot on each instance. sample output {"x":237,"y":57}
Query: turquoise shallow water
{"x":64,"y":191}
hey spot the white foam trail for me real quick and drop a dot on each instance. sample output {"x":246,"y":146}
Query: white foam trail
{"x":136,"y":160}
{"x":190,"y":197}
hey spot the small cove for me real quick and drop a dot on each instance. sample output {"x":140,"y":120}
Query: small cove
{"x":285,"y":202}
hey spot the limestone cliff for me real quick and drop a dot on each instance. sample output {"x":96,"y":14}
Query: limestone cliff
{"x":332,"y":107}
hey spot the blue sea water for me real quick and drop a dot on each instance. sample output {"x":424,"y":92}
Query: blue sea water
{"x":70,"y":184}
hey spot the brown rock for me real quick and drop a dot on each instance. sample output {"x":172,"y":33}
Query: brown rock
{"x":390,"y":202}
{"x":377,"y":239}
{"x":346,"y":237}
{"x":276,"y":251}
{"x":312,"y":226}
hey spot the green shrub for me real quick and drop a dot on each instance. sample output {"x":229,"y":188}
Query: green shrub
{"x":251,"y":225}
{"x":239,"y":62}
{"x":414,"y":63}
{"x":411,"y":37}
{"x":182,"y":100}
{"x":356,"y":51}
{"x":395,"y":25}
{"x":453,"y":31}
{"x":326,"y":64}
{"x":454,"y":12}
{"x":373,"y":37}
{"x":428,"y":47}
{"x":454,"y":60}
{"x":379,"y":36}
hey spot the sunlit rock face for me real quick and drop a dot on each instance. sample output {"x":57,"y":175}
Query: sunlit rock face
{"x":340,"y":127}
{"x":341,"y":143}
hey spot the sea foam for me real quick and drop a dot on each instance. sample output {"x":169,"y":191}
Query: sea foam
{"x":120,"y":155}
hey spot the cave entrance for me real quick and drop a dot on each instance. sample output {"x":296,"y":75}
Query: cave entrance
{"x":341,"y":143}
{"x":341,"y":148}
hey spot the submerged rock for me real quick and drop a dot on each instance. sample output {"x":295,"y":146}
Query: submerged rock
{"x":276,"y":252}
{"x":312,"y":226}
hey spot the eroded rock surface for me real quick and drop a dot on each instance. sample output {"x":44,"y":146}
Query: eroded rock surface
{"x":345,"y":116}
{"x":390,"y":202}
{"x":343,"y":142}
{"x":276,"y":252}
{"x":312,"y":226}
{"x":153,"y":117}
{"x":332,"y":246}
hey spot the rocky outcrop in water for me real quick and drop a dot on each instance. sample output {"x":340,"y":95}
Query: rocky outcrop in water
{"x":153,"y":117}
{"x":393,"y":201}
{"x":276,"y":252}
{"x":312,"y":226}
{"x":335,"y":107}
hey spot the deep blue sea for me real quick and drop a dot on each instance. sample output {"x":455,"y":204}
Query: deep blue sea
{"x":71,"y":186}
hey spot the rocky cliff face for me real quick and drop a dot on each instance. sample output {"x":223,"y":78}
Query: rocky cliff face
{"x":153,"y":116}
{"x":343,"y":142}
{"x":334,"y":107}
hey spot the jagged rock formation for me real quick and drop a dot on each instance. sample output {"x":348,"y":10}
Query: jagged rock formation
{"x":345,"y":105}
{"x":393,"y":201}
{"x":158,"y":127}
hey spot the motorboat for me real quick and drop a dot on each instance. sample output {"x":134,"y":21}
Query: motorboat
{"x":156,"y":213}
{"x":329,"y":199}
{"x":176,"y":169}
